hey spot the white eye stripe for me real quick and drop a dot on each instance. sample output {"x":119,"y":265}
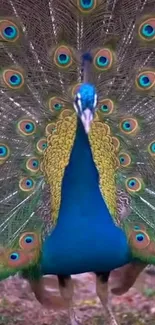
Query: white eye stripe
{"x":78,"y":96}
{"x":95,"y":100}
{"x":80,"y":104}
{"x":75,"y":107}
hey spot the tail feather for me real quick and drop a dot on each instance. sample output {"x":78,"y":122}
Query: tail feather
{"x":43,"y":46}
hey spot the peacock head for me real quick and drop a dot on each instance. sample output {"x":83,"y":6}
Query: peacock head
{"x":85,"y":104}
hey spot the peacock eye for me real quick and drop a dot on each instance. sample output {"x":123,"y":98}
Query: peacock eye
{"x":136,"y":227}
{"x":151,"y":149}
{"x":41,"y":145}
{"x":32,"y":164}
{"x":4,"y":152}
{"x":9,"y":32}
{"x":26,"y":184}
{"x":140,"y":237}
{"x":63,"y":57}
{"x":147,"y":29}
{"x":106,"y":106}
{"x":13,"y":79}
{"x":103,"y":59}
{"x":29,"y":127}
{"x":129,"y":126}
{"x":17,"y":259}
{"x":57,"y":106}
{"x":86,"y":6}
{"x":145,"y":80}
{"x":26,"y":127}
{"x":134,"y":185}
{"x":124,"y":159}
{"x":14,"y":256}
{"x":29,"y":241}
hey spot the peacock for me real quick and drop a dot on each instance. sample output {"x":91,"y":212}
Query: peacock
{"x":77,"y":142}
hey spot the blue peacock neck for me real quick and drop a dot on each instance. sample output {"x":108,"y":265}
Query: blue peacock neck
{"x":81,"y":183}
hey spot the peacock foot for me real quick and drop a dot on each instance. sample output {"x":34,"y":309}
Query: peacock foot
{"x":109,"y":317}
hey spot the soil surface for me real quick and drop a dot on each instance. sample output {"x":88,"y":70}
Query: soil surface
{"x":19,"y":306}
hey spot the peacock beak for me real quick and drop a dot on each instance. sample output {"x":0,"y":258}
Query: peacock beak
{"x":87,"y":118}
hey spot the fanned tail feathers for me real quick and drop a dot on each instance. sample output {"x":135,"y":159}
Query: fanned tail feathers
{"x":41,"y":47}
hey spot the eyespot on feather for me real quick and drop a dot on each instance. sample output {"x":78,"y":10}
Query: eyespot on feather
{"x":134,"y":185}
{"x":63,"y":57}
{"x":86,"y":6}
{"x":9,"y":32}
{"x":103,"y":59}
{"x":129,"y":126}
{"x":124,"y":159}
{"x":50,"y":128}
{"x":55,"y":104}
{"x":139,"y":240}
{"x":116,"y":143}
{"x":4,"y":152}
{"x":146,"y":30}
{"x":106,"y":106}
{"x":16,"y":259}
{"x":26,"y":127}
{"x":13,"y":78}
{"x":138,"y":227}
{"x":41,"y":145}
{"x":32,"y":164}
{"x":26,"y":184}
{"x":151,"y":149}
{"x":145,"y":80}
{"x":29,"y":241}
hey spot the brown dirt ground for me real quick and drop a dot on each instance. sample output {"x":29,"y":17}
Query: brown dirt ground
{"x":19,"y":306}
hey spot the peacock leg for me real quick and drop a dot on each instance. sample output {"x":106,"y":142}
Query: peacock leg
{"x":102,"y":292}
{"x":67,"y":292}
{"x":126,"y":276}
{"x":37,"y":287}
